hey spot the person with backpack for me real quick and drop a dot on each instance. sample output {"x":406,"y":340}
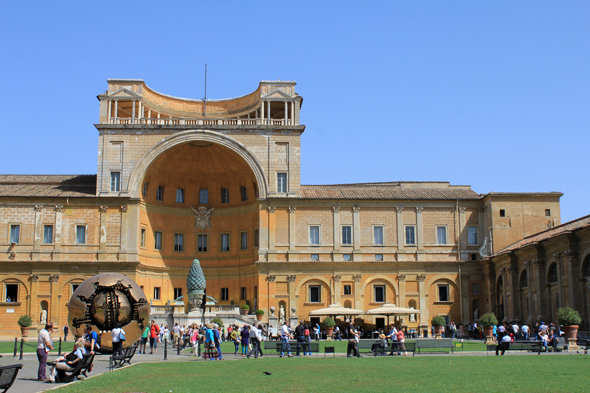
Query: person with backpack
{"x":154,"y":333}
{"x":92,"y":337}
{"x":118,"y":336}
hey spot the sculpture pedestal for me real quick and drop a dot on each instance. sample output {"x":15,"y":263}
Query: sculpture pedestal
{"x":274,"y":323}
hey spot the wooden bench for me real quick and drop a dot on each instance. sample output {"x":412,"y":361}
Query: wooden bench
{"x":533,"y":346}
{"x":125,"y":356}
{"x":8,"y":375}
{"x":441,"y":343}
{"x":81,"y":368}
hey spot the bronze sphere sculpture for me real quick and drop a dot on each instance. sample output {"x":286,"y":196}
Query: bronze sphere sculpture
{"x":104,"y":300}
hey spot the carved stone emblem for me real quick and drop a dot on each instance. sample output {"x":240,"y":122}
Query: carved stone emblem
{"x":202,"y":217}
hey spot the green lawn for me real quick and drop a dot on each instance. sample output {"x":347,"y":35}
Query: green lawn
{"x":527,"y":373}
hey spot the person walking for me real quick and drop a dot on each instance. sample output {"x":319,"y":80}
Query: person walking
{"x":66,"y":331}
{"x":235,"y":338}
{"x":210,"y":348}
{"x":144,"y":339}
{"x":255,"y":339}
{"x":245,"y":335}
{"x":285,"y":336}
{"x":154,"y":334}
{"x":44,"y":345}
{"x":217,"y":341}
{"x":353,"y":337}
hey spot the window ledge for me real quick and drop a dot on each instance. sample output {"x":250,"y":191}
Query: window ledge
{"x":439,"y":302}
{"x":313,"y":304}
{"x":8,"y":304}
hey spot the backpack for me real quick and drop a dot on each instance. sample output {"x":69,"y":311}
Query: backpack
{"x":98,"y":340}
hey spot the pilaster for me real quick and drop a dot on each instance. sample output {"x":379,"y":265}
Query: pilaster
{"x":292,"y":254}
{"x":465,"y":306}
{"x":419,"y":234}
{"x":272,"y":217}
{"x":36,"y":254}
{"x":59,"y":211}
{"x":123,"y":248}
{"x":336,"y":215}
{"x":291,"y":279}
{"x":54,"y":308}
{"x":336,"y":288}
{"x":401,"y":241}
{"x":102,"y":248}
{"x":358,"y":300}
{"x":423,"y":293}
{"x":462,"y":234}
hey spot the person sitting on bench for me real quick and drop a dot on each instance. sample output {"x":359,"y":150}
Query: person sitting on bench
{"x":503,"y":344}
{"x":68,"y":363}
{"x":553,"y":340}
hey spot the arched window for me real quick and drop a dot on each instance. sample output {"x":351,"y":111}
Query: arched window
{"x":553,"y":273}
{"x":587,"y":267}
{"x":524,"y":279}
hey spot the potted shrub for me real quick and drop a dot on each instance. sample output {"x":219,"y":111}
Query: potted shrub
{"x":329,"y":324}
{"x":25,"y":323}
{"x":570,"y":320}
{"x":245,"y":309}
{"x":218,"y":321}
{"x":259,"y":314}
{"x":438,"y":322}
{"x":488,"y":321}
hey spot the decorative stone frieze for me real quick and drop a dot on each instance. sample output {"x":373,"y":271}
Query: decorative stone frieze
{"x":538,"y":262}
{"x":337,"y":277}
{"x":399,"y":209}
{"x":419,"y":209}
{"x":38,"y":208}
{"x":104,"y":209}
{"x":271,"y":278}
{"x":401,"y":277}
{"x":357,"y":277}
{"x":462,"y":209}
{"x":571,"y":255}
{"x":272,"y":209}
{"x":356,"y":208}
{"x":292,"y":278}
{"x":336,"y":209}
{"x":54,"y":278}
{"x":124,"y":209}
{"x":292,"y":209}
{"x":34,"y":277}
{"x":421,"y":277}
{"x":59,"y":208}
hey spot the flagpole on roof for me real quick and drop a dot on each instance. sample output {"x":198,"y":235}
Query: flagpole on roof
{"x":205,"y":112}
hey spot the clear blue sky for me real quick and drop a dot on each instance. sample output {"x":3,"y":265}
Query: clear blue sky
{"x":487,"y":93}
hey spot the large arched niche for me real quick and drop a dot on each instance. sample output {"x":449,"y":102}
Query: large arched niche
{"x":193,"y":162}
{"x":204,"y":136}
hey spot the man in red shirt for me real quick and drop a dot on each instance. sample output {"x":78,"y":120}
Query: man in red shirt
{"x":154,"y":333}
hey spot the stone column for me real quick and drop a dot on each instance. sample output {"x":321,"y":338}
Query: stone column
{"x":286,"y":113}
{"x":528,"y":311}
{"x":133,"y":113}
{"x":541,"y":294}
{"x":401,"y":295}
{"x":514,"y":306}
{"x":462,"y":234}
{"x":59,"y":210}
{"x":34,"y":299}
{"x":419,"y":234}
{"x":356,"y":233}
{"x":490,"y":305}
{"x":271,"y":231}
{"x":336,"y":288}
{"x":292,"y":113}
{"x":401,"y":241}
{"x":116,"y":110}
{"x":102,"y":250}
{"x":123,"y":248}
{"x":53,"y":312}
{"x":262,"y":112}
{"x":109,"y":110}
{"x":466,"y":307}
{"x":292,"y":254}
{"x":336,"y":215}
{"x":358,"y":302}
{"x":292,"y":295}
{"x":424,"y":313}
{"x":571,"y":263}
{"x":36,"y":254}
{"x":268,"y":109}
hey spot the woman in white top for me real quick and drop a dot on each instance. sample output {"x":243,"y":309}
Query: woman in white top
{"x":117,"y":343}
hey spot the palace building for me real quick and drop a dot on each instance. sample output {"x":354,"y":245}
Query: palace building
{"x":219,"y":181}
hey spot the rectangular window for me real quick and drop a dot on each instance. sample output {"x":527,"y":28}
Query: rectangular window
{"x":225,"y":242}
{"x":347,"y":257}
{"x":202,"y":243}
{"x":256,"y":238}
{"x":378,"y":257}
{"x":443,"y":293}
{"x":547,"y":212}
{"x":472,"y":235}
{"x":203,"y":197}
{"x":75,"y":286}
{"x":142,"y":238}
{"x":243,"y":293}
{"x":475,"y":288}
{"x":315,"y":257}
{"x":115,"y":181}
{"x":11,"y":293}
{"x":348,"y":289}
{"x":314,"y":234}
{"x":315,"y":294}
{"x":144,"y":191}
{"x":224,"y":195}
{"x":441,"y":235}
{"x":178,"y":242}
{"x":502,"y":213}
{"x":160,"y":193}
{"x":282,"y":182}
{"x":244,"y":193}
{"x":47,"y":234}
{"x":224,"y":293}
{"x":15,"y":233}
{"x":379,"y":293}
{"x":346,"y":235}
{"x":378,"y":235}
{"x":156,"y":293}
{"x":177,"y":293}
{"x":80,"y":234}
{"x":179,"y":195}
{"x":410,"y":235}
{"x":158,"y":240}
{"x":243,"y":240}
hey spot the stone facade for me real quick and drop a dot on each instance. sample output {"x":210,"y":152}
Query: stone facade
{"x":268,"y":240}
